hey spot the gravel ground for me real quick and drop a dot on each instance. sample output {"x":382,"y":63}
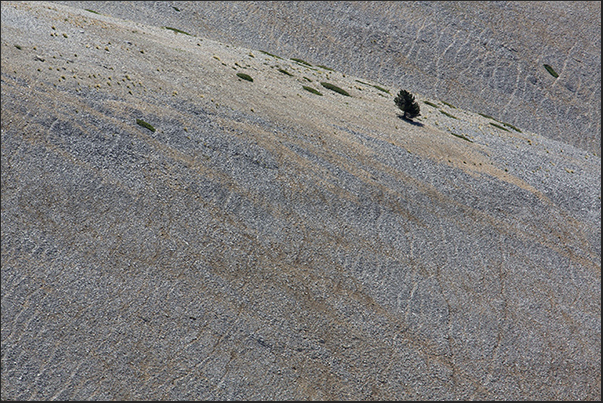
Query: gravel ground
{"x":267,"y":243}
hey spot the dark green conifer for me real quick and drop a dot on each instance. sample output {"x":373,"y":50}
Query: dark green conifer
{"x":406,"y":102}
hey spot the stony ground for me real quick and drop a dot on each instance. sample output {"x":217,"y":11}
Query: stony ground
{"x":486,"y":57}
{"x":266,"y":242}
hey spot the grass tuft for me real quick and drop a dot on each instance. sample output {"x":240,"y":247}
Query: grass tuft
{"x":381,"y":89}
{"x":462,"y":137}
{"x":512,"y":127}
{"x":431,"y":104}
{"x":270,"y":54}
{"x":550,"y":70}
{"x":145,"y":124}
{"x":498,"y":126}
{"x":446,"y":103}
{"x":449,"y":115}
{"x":18,"y":47}
{"x":371,"y":85}
{"x":335,"y":88}
{"x":245,"y":76}
{"x":312,"y":90}
{"x":92,"y":11}
{"x":301,"y":61}
{"x":503,"y":123}
{"x":177,"y":30}
{"x":285,"y":72}
{"x":324,"y":67}
{"x":176,"y":8}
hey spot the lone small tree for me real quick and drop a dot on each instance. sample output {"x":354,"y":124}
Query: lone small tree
{"x":406,"y":102}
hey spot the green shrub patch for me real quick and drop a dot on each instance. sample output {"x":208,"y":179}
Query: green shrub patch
{"x":145,"y":124}
{"x":312,"y":90}
{"x":177,"y":30}
{"x":503,"y":123}
{"x":270,"y":54}
{"x":301,"y":61}
{"x":381,"y":89}
{"x":324,"y":67}
{"x":511,"y":126}
{"x":498,"y":126}
{"x":461,"y":137}
{"x":449,"y":115}
{"x":335,"y":88}
{"x":245,"y":76}
{"x":550,"y":70}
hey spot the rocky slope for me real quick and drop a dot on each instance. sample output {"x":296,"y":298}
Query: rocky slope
{"x":256,"y":240}
{"x":487,"y":57}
